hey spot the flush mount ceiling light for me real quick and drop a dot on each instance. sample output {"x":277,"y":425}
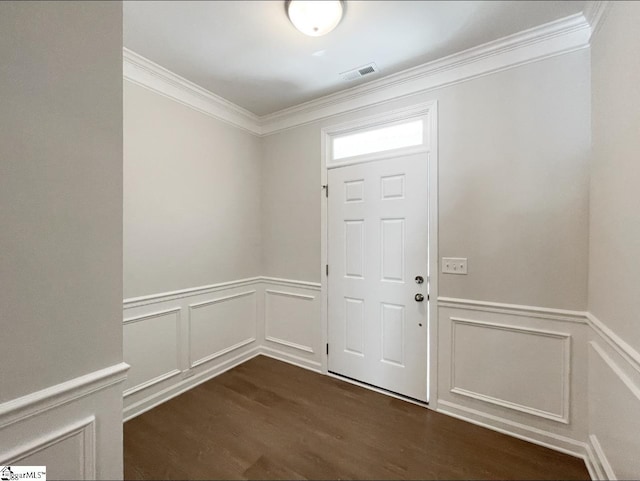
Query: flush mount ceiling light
{"x":314,"y":17}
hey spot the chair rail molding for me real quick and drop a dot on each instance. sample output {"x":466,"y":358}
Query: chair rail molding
{"x":514,"y":309}
{"x":627,"y":352}
{"x":60,"y":394}
{"x":72,"y":428}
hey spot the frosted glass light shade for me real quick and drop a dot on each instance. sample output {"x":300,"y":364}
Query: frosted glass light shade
{"x":315,"y":17}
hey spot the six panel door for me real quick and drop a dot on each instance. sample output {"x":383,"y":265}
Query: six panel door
{"x":377,"y":246}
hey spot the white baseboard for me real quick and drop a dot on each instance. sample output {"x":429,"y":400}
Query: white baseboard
{"x":531,"y":434}
{"x":181,"y":387}
{"x":597,"y":458}
{"x":291,"y":359}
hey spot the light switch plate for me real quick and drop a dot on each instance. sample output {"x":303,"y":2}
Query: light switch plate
{"x":454,"y":265}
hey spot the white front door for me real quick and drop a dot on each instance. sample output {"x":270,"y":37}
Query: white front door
{"x":377,"y":253}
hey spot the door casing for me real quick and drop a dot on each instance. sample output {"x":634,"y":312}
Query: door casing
{"x":428,"y":111}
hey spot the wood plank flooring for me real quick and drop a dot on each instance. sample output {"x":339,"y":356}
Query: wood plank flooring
{"x":267,"y":419}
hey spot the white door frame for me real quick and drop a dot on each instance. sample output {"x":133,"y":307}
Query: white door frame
{"x":429,"y":111}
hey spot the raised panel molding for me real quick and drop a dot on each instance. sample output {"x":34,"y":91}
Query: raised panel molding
{"x":231,"y":321}
{"x":564,"y":369}
{"x":71,"y":427}
{"x":199,"y":367}
{"x":83,"y":432}
{"x":271,"y":318}
{"x":154,"y":348}
{"x":614,"y":394}
{"x":544,"y":41}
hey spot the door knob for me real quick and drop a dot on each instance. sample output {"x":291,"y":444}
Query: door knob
{"x":419,"y":297}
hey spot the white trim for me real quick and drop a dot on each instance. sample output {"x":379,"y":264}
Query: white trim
{"x":291,"y":283}
{"x":86,"y":428}
{"x":514,"y":309}
{"x":151,"y":382}
{"x":592,"y":464}
{"x":635,"y":390}
{"x":221,"y":352}
{"x":595,"y":13}
{"x":627,"y":352}
{"x":300,"y":347}
{"x":531,"y":434}
{"x":277,"y":340}
{"x":430,"y":111}
{"x":421,"y":111}
{"x":192,"y":291}
{"x":142,"y":71}
{"x":217,"y":300}
{"x":555,"y":38}
{"x":599,"y":460}
{"x":170,"y":392}
{"x":132,"y":302}
{"x":226,"y":350}
{"x":563,"y":416}
{"x":151,"y":315}
{"x":548,"y":40}
{"x":291,"y":359}
{"x":290,"y":294}
{"x":60,"y":394}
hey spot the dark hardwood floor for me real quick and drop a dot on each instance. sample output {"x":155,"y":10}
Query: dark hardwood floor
{"x":269,"y":420}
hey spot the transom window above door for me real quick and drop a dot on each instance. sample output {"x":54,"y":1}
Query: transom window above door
{"x":400,"y":132}
{"x":379,"y":139}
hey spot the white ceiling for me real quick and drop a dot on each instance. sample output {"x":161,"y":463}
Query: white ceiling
{"x":249,"y":53}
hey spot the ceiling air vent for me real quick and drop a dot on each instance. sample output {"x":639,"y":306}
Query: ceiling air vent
{"x":359,"y":72}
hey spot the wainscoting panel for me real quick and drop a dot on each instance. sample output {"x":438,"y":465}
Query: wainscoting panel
{"x":490,"y":361}
{"x":221,"y":325}
{"x":292,"y":322}
{"x":151,"y":348}
{"x":614,"y":407}
{"x":73,"y":428}
{"x":176,"y":340}
{"x":74,"y":444}
{"x":515,"y":369}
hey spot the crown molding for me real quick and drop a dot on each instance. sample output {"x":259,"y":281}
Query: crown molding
{"x":555,"y":38}
{"x":595,"y":13}
{"x":548,"y":40}
{"x":144,"y":72}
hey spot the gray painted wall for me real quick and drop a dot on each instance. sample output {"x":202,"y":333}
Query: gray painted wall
{"x":191,"y":197}
{"x":614,"y":260}
{"x":513,"y":180}
{"x":60,"y":191}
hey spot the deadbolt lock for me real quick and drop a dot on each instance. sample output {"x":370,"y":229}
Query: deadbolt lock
{"x":419,"y":279}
